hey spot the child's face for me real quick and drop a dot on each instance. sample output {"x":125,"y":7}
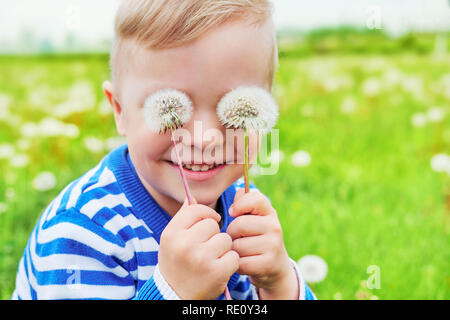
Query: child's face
{"x":227,"y":57}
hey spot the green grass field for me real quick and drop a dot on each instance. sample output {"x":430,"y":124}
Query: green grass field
{"x":371,"y":123}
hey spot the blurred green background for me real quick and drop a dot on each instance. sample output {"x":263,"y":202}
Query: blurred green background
{"x":364,"y":154}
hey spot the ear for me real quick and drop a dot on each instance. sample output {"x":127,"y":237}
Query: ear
{"x":110,"y":94}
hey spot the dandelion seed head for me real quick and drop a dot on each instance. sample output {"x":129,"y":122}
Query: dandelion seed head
{"x":301,"y":158}
{"x":6,"y":151}
{"x":313,"y":268}
{"x":19,"y":160}
{"x":436,"y":114}
{"x":419,"y":119}
{"x":93,"y":144}
{"x":167,"y":109}
{"x":251,"y":108}
{"x":440,"y":163}
{"x":44,"y":181}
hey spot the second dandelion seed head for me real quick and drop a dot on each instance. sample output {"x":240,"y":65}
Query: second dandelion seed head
{"x":251,"y":108}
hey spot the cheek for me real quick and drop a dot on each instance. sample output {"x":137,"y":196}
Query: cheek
{"x":235,"y":171}
{"x":254,"y":143}
{"x":146,"y":145}
{"x":234,"y":146}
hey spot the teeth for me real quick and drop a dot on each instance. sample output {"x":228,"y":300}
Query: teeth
{"x":198,"y":167}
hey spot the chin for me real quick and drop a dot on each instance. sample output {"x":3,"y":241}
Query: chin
{"x":206,"y":198}
{"x":204,"y":182}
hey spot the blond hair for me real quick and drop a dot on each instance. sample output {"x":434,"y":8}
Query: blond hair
{"x":163,"y":24}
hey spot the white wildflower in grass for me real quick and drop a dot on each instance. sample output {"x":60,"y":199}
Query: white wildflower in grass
{"x":70,"y":130}
{"x":40,"y":96}
{"x":375,"y":64}
{"x":435,"y":114}
{"x":412,"y":84}
{"x":81,"y":98}
{"x":93,"y":144}
{"x":307,"y":110}
{"x":371,"y":87}
{"x":391,"y":78}
{"x":5,"y":110}
{"x":84,"y":93}
{"x":255,"y":170}
{"x":10,"y":193}
{"x":337,"y":296}
{"x":44,"y":181}
{"x":114,"y":142}
{"x":250,"y":108}
{"x":331,"y":84}
{"x":419,"y":119}
{"x":336,"y":82}
{"x":23,"y":144}
{"x":104,"y":108}
{"x":441,"y":163}
{"x":276,"y":156}
{"x":301,"y":158}
{"x":6,"y":151}
{"x":167,"y":109}
{"x":348,"y":105}
{"x":312,"y":268}
{"x":49,"y":127}
{"x":19,"y":160}
{"x":3,"y":207}
{"x":29,"y":129}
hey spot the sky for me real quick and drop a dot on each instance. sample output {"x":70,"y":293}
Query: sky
{"x":92,"y":21}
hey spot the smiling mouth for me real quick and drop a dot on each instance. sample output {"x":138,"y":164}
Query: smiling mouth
{"x":197,"y":167}
{"x":199,"y":172}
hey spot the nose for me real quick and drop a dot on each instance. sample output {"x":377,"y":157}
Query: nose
{"x":206,"y":132}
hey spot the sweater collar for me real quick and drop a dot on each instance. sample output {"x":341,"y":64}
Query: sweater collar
{"x":144,"y":205}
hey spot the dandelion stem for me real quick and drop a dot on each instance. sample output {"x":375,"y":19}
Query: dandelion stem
{"x":246,"y":178}
{"x":189,"y":196}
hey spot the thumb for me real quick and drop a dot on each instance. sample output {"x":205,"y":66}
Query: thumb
{"x":239,"y":194}
{"x":186,"y":201}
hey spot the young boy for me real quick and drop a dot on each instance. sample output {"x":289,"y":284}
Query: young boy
{"x":124,"y":229}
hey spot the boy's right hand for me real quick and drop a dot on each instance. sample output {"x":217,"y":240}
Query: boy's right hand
{"x":194,"y":257}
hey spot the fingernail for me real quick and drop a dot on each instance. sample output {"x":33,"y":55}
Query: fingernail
{"x":230,"y":211}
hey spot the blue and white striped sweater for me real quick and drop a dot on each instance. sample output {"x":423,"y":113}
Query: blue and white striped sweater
{"x":99,"y":239}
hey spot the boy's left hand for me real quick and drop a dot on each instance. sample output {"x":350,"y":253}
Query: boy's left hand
{"x":258,"y":239}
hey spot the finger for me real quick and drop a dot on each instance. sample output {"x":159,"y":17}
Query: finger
{"x":186,"y":201}
{"x":246,"y":226}
{"x":204,"y":229}
{"x":250,"y":246}
{"x":188,"y":215}
{"x":239,"y":193}
{"x":253,"y":202}
{"x":219,"y":244}
{"x":229,"y":261}
{"x":255,"y":265}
